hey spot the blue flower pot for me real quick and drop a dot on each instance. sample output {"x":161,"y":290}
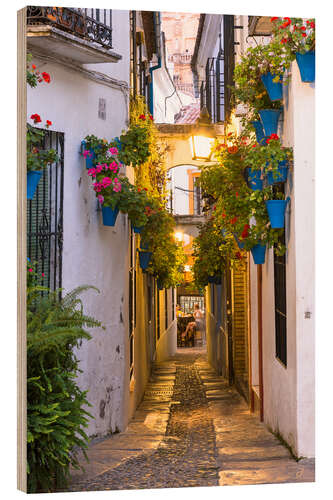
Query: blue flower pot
{"x":215,"y":280}
{"x":258,"y":253}
{"x":33,"y":178}
{"x":109,"y":216}
{"x":144,"y":259}
{"x":144,"y":245}
{"x":89,"y":159}
{"x":258,"y":130}
{"x":269,"y":119}
{"x":253,"y":179}
{"x":278,"y":176}
{"x":274,"y":89}
{"x":239,"y":243}
{"x":118,"y":143}
{"x":276,"y":210}
{"x":137,"y":229}
{"x":307,"y":66}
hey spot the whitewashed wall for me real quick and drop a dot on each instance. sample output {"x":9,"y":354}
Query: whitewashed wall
{"x":93,"y":254}
{"x":289,"y":392}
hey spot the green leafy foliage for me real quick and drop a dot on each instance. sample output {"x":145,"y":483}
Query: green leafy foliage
{"x":237,"y":210}
{"x":56,"y":406}
{"x":38,"y":158}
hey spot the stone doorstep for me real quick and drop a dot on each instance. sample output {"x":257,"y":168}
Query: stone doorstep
{"x":235,"y":453}
{"x":275,"y":471}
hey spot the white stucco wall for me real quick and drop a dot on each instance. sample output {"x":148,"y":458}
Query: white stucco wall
{"x":289,"y":405}
{"x":93,"y":254}
{"x":166,"y":345}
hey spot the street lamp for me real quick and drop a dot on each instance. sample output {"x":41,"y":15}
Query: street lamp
{"x":179,"y":236}
{"x":202,"y":138}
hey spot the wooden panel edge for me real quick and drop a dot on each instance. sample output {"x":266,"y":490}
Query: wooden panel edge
{"x":21,"y":253}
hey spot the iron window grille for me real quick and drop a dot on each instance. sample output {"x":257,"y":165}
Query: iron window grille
{"x":280,"y":306}
{"x":212,"y":88}
{"x":94,"y":25}
{"x":45,"y":217}
{"x":229,"y":63}
{"x":280,"y":297}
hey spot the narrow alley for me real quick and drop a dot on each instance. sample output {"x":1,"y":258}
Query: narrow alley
{"x":191,"y":429}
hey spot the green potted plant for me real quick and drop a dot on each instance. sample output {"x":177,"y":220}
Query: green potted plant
{"x":297,"y":37}
{"x":95,"y":150}
{"x":273,"y":160}
{"x":258,"y":74}
{"x":37,"y":157}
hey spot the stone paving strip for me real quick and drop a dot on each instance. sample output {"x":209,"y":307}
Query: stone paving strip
{"x":191,"y":429}
{"x":143,"y":434}
{"x":247,"y":452}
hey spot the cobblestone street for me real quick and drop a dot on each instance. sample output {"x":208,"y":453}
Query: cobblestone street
{"x":191,"y":429}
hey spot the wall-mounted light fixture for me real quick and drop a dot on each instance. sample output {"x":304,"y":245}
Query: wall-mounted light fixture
{"x":202,"y":137}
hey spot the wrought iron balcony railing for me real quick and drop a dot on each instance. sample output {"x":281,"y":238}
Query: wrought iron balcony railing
{"x":95,"y":27}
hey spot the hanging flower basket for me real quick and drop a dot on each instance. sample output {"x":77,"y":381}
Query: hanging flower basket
{"x":307,"y":66}
{"x":90,"y":155}
{"x":269,"y":119}
{"x":33,"y":178}
{"x":137,"y":229}
{"x":276,"y":210}
{"x":109,"y":216}
{"x":280,"y":175}
{"x":215,"y":280}
{"x":259,"y":131}
{"x":254,"y":180}
{"x":239,"y":243}
{"x":144,"y":259}
{"x":144,"y":245}
{"x":274,"y":89}
{"x":258,"y":253}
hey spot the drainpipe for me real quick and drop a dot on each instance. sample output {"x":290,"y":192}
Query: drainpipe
{"x":157,"y":25}
{"x":261,"y":379}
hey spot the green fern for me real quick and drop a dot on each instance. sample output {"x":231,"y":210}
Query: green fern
{"x":55,"y":410}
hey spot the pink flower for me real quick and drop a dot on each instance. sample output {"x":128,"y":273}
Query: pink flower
{"x":100,"y":198}
{"x":86,"y":153}
{"x":97,"y":187}
{"x":92,"y":172}
{"x":30,"y":270}
{"x":43,"y":275}
{"x":113,"y":151}
{"x":106,"y":182}
{"x":99,"y":168}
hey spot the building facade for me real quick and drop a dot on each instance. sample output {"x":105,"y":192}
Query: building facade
{"x":260,"y":321}
{"x":92,"y":78}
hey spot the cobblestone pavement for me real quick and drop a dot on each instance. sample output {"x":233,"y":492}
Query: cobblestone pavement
{"x":191,"y":429}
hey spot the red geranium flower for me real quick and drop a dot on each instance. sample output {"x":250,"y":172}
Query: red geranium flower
{"x":48,"y":123}
{"x":151,"y":118}
{"x":312,"y":24}
{"x":224,"y":216}
{"x":46,"y":77}
{"x":304,"y":35}
{"x":245,"y":231}
{"x":33,"y":66}
{"x":236,"y":194}
{"x":274,"y":19}
{"x":36,"y":118}
{"x":233,"y":149}
{"x":233,"y":220}
{"x":142,"y":117}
